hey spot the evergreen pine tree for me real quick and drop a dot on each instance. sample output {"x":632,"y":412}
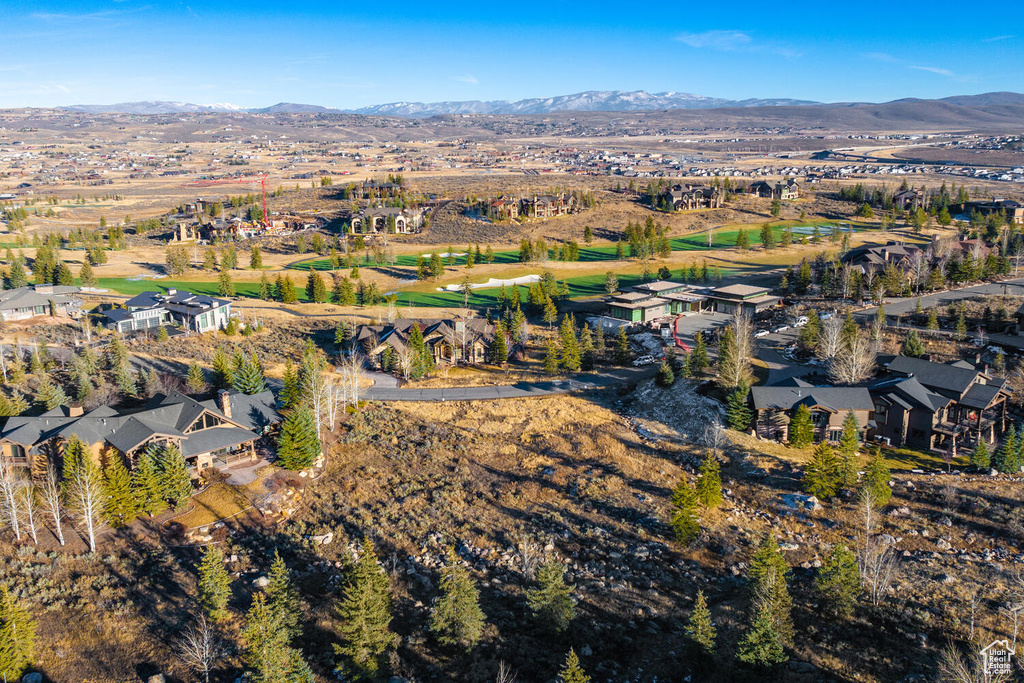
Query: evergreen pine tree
{"x":684,"y":522}
{"x":876,"y":480}
{"x":50,"y":394}
{"x":290,"y":392}
{"x":214,"y":584}
{"x":801,"y":430}
{"x":225,"y":286}
{"x":699,"y":628}
{"x":709,"y":482}
{"x":223,"y":375}
{"x":571,"y":671}
{"x":17,"y":637}
{"x":499,"y":347}
{"x":456,"y":617}
{"x":979,"y":456}
{"x":195,"y":380}
{"x":737,"y":411}
{"x":551,"y":601}
{"x":284,"y":599}
{"x":761,"y":645}
{"x":666,"y":377}
{"x":147,"y":487}
{"x":119,"y":507}
{"x":849,"y":450}
{"x":288,"y":294}
{"x":265,"y":649}
{"x":570,"y":348}
{"x":933,"y":320}
{"x":297,"y":444}
{"x":912,"y":345}
{"x":365,"y":612}
{"x":248,"y":377}
{"x":838,"y":581}
{"x":423,"y":359}
{"x":822,"y":475}
{"x":622,"y":353}
{"x":175,"y":482}
{"x":699,"y":356}
{"x":85,"y":274}
{"x":551,"y":357}
{"x":767,"y":576}
{"x":266,"y":290}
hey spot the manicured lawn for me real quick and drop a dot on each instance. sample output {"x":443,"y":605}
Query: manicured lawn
{"x":723,"y":239}
{"x":909,"y":459}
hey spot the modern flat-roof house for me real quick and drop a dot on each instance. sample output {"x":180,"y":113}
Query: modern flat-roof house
{"x":450,"y":341}
{"x":774,"y":407}
{"x":23,"y":303}
{"x":748,"y":298}
{"x":195,"y":312}
{"x":215,"y":433}
{"x":977,"y":408}
{"x":681,"y":297}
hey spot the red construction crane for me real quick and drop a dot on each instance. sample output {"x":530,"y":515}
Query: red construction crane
{"x":227,"y":181}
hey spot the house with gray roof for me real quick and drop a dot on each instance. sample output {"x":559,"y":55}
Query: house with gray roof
{"x":774,"y":407}
{"x":977,"y":408}
{"x":216,"y":433}
{"x":907,"y":413}
{"x":23,"y":303}
{"x":149,"y":310}
{"x":450,"y":341}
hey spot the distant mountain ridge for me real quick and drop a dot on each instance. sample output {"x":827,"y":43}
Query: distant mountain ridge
{"x":590,"y":101}
{"x":593,"y":100}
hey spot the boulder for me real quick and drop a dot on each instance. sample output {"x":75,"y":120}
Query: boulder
{"x":34,"y":677}
{"x":156,"y":678}
{"x":800,"y":501}
{"x":323,"y":539}
{"x":943,"y":544}
{"x":261,"y":582}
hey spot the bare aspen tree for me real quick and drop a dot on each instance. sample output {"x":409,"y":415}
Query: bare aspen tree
{"x":3,"y":363}
{"x":28,"y":505}
{"x":86,"y":499}
{"x":739,"y":371}
{"x":405,"y":362}
{"x":954,"y":667}
{"x":505,"y":674}
{"x":52,"y":501}
{"x":876,"y":561}
{"x":316,"y":395}
{"x":854,"y":363}
{"x":715,"y":437}
{"x":9,"y":485}
{"x":830,"y":342}
{"x":200,"y":648}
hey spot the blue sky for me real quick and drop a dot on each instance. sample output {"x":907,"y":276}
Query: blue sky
{"x":349,"y":55}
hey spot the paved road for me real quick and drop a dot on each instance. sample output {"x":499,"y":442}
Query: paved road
{"x":941,"y":299}
{"x":592,"y":380}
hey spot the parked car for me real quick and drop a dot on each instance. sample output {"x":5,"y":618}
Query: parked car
{"x":780,"y":328}
{"x":801,"y":321}
{"x":761,"y":333}
{"x":826,"y":315}
{"x":644,"y":360}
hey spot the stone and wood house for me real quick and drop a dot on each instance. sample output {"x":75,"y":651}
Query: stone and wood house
{"x":449,"y":340}
{"x":217,"y":433}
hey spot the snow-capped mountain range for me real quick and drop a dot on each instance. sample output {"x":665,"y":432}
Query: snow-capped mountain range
{"x":594,"y":100}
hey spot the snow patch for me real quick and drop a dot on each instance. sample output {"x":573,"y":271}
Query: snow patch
{"x":524,"y":280}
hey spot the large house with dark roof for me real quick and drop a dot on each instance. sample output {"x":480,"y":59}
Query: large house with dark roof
{"x":450,"y":341}
{"x":689,"y":197}
{"x":876,"y":258}
{"x":907,"y":413}
{"x":215,"y":433}
{"x":149,"y":310}
{"x":977,"y":400}
{"x":774,"y":407}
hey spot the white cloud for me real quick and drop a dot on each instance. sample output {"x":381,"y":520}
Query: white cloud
{"x":468,"y":78}
{"x":934,"y":70}
{"x":996,"y":38}
{"x":731,"y":40}
{"x":717,"y":40}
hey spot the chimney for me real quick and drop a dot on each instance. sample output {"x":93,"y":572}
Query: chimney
{"x":171,"y":292}
{"x":75,"y":409}
{"x":977,"y":360}
{"x":224,"y":401}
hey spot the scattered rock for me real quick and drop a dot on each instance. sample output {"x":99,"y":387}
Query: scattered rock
{"x":789,"y":546}
{"x":156,"y":678}
{"x":261,"y":582}
{"x":800,"y":501}
{"x":323,"y":539}
{"x":586,"y":651}
{"x":943,"y":544}
{"x":34,"y":677}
